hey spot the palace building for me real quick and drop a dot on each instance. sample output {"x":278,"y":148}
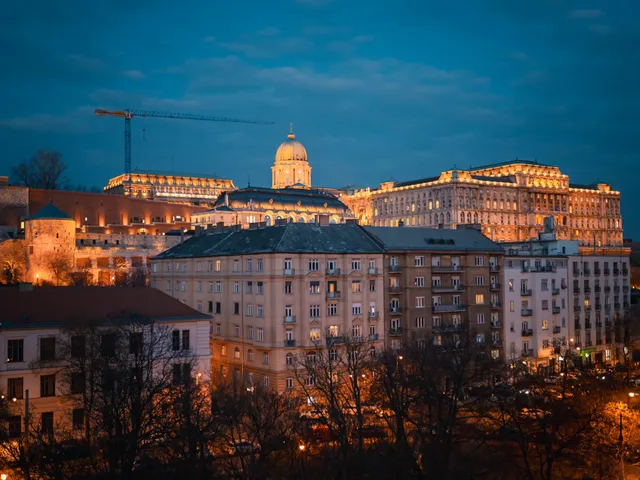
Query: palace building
{"x":289,"y":198}
{"x":509,"y":202}
{"x":169,"y":187}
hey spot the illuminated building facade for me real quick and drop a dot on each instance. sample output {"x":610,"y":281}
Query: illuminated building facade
{"x":508,"y":200}
{"x":169,"y":187}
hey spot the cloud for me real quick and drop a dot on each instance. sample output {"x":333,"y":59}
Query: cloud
{"x":269,"y":48}
{"x":585,"y":13}
{"x":532,"y":78}
{"x":269,"y":31}
{"x":600,"y":29}
{"x":73,"y":122}
{"x":134,"y":74}
{"x":209,"y":39}
{"x":324,"y":30}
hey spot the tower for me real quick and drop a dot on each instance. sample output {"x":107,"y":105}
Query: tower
{"x":291,"y":167}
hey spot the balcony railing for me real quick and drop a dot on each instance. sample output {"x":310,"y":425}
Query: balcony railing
{"x":625,"y":305}
{"x":555,"y":310}
{"x":577,"y":326}
{"x":598,"y":324}
{"x":456,"y":307}
{"x":334,"y":340}
{"x":395,"y":268}
{"x":587,"y":271}
{"x":616,"y":306}
{"x":526,"y":312}
{"x":447,"y":288}
{"x":373,"y":315}
{"x":587,"y":290}
{"x":446,"y":268}
{"x":494,"y":267}
{"x":289,"y":343}
{"x":625,"y":288}
{"x":496,"y":324}
{"x":289,"y":272}
{"x":526,"y":292}
{"x":373,"y":270}
{"x":596,"y":289}
{"x":556,"y":330}
{"x":555,"y":291}
{"x":290,"y":319}
{"x":333,"y":272}
{"x":607,"y":307}
{"x":587,"y":325}
{"x":395,"y":289}
{"x":527,"y":332}
{"x":528,"y":352}
{"x":607,"y":289}
{"x":395,"y":309}
{"x":495,"y":286}
{"x":596,"y":271}
{"x":576,"y":273}
{"x":625,"y":271}
{"x":394,"y":331}
{"x":576,"y":290}
{"x":450,"y":327}
{"x":607,"y":271}
{"x":335,"y":294}
{"x":373,"y":337}
{"x":616,"y":271}
{"x":495,"y":304}
{"x":577,"y":308}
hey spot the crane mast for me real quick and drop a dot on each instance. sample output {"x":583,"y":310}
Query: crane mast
{"x":129,"y":114}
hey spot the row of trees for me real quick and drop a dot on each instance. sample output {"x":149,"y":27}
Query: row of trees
{"x":139,"y":406}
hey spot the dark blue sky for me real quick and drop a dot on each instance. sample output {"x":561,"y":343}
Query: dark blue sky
{"x":376,"y":89}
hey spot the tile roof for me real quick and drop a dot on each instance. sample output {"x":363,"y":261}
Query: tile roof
{"x":436,"y":239}
{"x":50,"y":211}
{"x":281,"y":195}
{"x":416,"y":182}
{"x":289,"y":238}
{"x":509,"y":162}
{"x":42,"y":306}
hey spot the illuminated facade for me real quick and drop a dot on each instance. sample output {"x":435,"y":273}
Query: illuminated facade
{"x":169,"y":187}
{"x":291,"y":167}
{"x":508,"y":200}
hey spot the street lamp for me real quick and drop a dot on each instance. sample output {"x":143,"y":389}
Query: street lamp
{"x":3,"y":476}
{"x":631,"y":395}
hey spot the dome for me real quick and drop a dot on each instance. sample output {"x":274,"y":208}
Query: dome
{"x":291,"y":149}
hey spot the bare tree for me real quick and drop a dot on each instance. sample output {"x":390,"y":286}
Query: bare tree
{"x":13,"y":260}
{"x":60,"y":264}
{"x":45,"y":169}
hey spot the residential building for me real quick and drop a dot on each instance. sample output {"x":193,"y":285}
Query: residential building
{"x":597,"y":298}
{"x":36,"y":320}
{"x":537,"y":311}
{"x":277,"y":293}
{"x":508,"y":200}
{"x":441,"y":282}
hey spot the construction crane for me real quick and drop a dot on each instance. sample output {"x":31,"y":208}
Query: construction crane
{"x":129,"y":114}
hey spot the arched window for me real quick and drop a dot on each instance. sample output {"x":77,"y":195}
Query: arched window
{"x":267,"y":220}
{"x":236,"y":353}
{"x":301,"y":220}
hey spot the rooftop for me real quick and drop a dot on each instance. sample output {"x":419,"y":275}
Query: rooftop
{"x":288,"y":238}
{"x":281,"y":196}
{"x":432,"y":239}
{"x":509,"y":162}
{"x":175,"y":174}
{"x":50,"y":211}
{"x":43,"y":306}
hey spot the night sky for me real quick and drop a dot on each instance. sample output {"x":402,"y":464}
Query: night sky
{"x":376,"y":90}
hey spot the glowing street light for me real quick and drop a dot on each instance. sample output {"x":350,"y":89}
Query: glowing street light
{"x":301,"y":447}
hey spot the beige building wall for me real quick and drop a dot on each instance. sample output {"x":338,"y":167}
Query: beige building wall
{"x":46,"y":240}
{"x":256,"y":326}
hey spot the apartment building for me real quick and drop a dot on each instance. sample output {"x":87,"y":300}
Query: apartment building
{"x":597,"y":297}
{"x":35,"y":323}
{"x":277,"y":293}
{"x":537,"y":310}
{"x":439,"y":283}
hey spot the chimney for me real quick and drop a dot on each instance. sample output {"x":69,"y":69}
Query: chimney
{"x":199,"y":230}
{"x":262,"y":225}
{"x":351,"y":221}
{"x":254,"y":226}
{"x":219,"y":227}
{"x":181,"y":235}
{"x":25,"y":287}
{"x":322,"y":219}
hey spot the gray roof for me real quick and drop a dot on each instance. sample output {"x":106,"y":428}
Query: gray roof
{"x":286,"y":196}
{"x":289,"y":238}
{"x":437,"y":239}
{"x":50,"y":211}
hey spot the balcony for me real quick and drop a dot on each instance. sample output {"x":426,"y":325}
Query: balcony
{"x":607,"y":289}
{"x":616,"y":306}
{"x":596,"y":289}
{"x":607,"y":271}
{"x":373,"y":315}
{"x":526,"y":292}
{"x":625,"y":288}
{"x":289,"y":272}
{"x":576,"y":273}
{"x":496,"y":324}
{"x":446,"y":288}
{"x":395,"y":268}
{"x":395,"y":310}
{"x":576,"y":291}
{"x":446,"y":268}
{"x":625,"y":271}
{"x":494,"y":267}
{"x":587,"y":290}
{"x":577,"y":326}
{"x":587,"y":325}
{"x":598,"y":307}
{"x":527,"y":332}
{"x":395,"y":331}
{"x":289,"y":319}
{"x":577,"y":308}
{"x":373,"y":337}
{"x":451,"y":327}
{"x":616,"y":272}
{"x":596,"y":271}
{"x":587,"y":271}
{"x":496,"y":342}
{"x":332,"y":272}
{"x":527,"y":352}
{"x":526,"y":312}
{"x":555,"y":310}
{"x":495,"y":304}
{"x":289,"y":343}
{"x":555,"y":291}
{"x":556,"y":330}
{"x":495,"y":286}
{"x":334,"y":340}
{"x":373,"y":271}
{"x":456,"y":307}
{"x":607,"y":307}
{"x":395,"y":289}
{"x":333,"y":295}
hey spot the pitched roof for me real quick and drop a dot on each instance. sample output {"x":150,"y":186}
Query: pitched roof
{"x":50,"y":211}
{"x":508,"y":162}
{"x":161,"y":173}
{"x":289,"y":238}
{"x":436,"y":239}
{"x":416,"y":182}
{"x":42,"y":306}
{"x":289,"y":196}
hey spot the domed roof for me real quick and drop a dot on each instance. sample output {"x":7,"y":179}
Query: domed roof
{"x":291,"y":149}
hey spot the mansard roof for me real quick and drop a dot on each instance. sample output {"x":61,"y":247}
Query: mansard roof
{"x":433,"y":239}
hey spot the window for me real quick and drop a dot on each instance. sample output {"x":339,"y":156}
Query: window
{"x":199,"y":287}
{"x":47,"y":348}
{"x":218,"y":308}
{"x":289,"y":383}
{"x":236,"y":265}
{"x":314,"y":311}
{"x":479,"y":261}
{"x":209,"y":307}
{"x":419,"y":302}
{"x":420,"y":322}
{"x":249,"y":310}
{"x":480,"y":318}
{"x":77,"y":416}
{"x":419,"y":282}
{"x":355,"y":264}
{"x":355,"y":286}
{"x":314,"y":265}
{"x":250,"y":355}
{"x":236,"y":287}
{"x":544,"y":284}
{"x":249,"y":265}
{"x":265,"y":358}
{"x":314,"y":287}
{"x":236,"y":331}
{"x":260,"y":288}
{"x":249,"y":288}
{"x":185,"y":340}
{"x":289,"y":359}
{"x":108,"y":345}
{"x":77,"y":383}
{"x":511,"y":284}
{"x":356,"y":309}
{"x":210,"y":287}
{"x":372,"y":285}
{"x":47,"y":423}
{"x":265,"y":382}
{"x":47,"y":385}
{"x":236,"y":308}
{"x":479,"y":280}
{"x":287,"y":288}
{"x":175,"y":340}
{"x":181,"y":373}
{"x":479,"y":299}
{"x":15,"y":350}
{"x":259,"y":265}
{"x":332,"y":309}
{"x":210,"y":266}
{"x":314,"y":334}
{"x":418,"y":261}
{"x":512,"y":307}
{"x":259,"y":311}
{"x":15,"y":388}
{"x":260,"y":334}
{"x":545,"y":304}
{"x":236,"y":353}
{"x":218,"y":265}
{"x":218,"y":287}
{"x":223,"y":351}
{"x":135,"y":343}
{"x":218,"y":329}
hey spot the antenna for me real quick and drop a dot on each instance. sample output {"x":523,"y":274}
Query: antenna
{"x":248,"y":180}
